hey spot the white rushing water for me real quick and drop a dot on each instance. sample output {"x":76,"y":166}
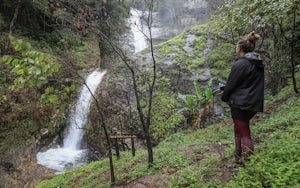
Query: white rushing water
{"x":138,"y":30}
{"x":71,"y":155}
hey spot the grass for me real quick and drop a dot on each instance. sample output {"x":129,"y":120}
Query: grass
{"x":276,"y":163}
{"x":200,"y":158}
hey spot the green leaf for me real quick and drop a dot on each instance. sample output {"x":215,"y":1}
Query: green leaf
{"x":6,"y":59}
{"x":198,"y":90}
{"x":191,"y":102}
{"x":53,"y":99}
{"x":208,"y":90}
{"x":15,"y":62}
{"x":42,"y":78}
{"x":30,"y":61}
{"x":25,"y":46}
{"x":32,"y":67}
{"x":20,"y":80}
{"x":36,"y":70}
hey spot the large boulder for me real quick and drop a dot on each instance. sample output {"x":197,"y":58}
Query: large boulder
{"x":20,"y":169}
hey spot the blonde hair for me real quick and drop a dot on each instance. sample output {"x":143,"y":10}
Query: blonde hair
{"x":247,"y":43}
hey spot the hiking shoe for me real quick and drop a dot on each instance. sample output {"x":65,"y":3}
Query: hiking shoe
{"x":238,"y":156}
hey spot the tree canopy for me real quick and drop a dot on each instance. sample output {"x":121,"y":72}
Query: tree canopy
{"x":278,"y":21}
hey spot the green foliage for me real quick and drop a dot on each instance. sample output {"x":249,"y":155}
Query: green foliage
{"x":195,"y":176}
{"x":3,"y":99}
{"x":220,"y":58}
{"x":32,"y":68}
{"x":55,"y":96}
{"x":173,"y":47}
{"x":199,"y":44}
{"x":174,"y":156}
{"x":277,"y":22}
{"x":210,"y":29}
{"x":220,"y":74}
{"x":235,"y":19}
{"x":189,"y":101}
{"x":193,"y":103}
{"x":85,"y":54}
{"x":59,"y":40}
{"x":275,"y":164}
{"x":195,"y":63}
{"x":164,"y":117}
{"x":42,"y":5}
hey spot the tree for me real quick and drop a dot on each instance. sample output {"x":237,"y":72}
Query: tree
{"x":150,"y":79}
{"x":107,"y":44}
{"x":32,"y":68}
{"x":12,"y":24}
{"x":105,"y":129}
{"x":99,"y":19}
{"x":278,"y":17}
{"x":113,"y":15}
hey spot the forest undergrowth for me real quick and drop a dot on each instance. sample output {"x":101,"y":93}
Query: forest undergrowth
{"x":204,"y":157}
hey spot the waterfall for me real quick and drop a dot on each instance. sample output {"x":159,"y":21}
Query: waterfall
{"x":79,"y":117}
{"x":138,"y":30}
{"x":71,"y":155}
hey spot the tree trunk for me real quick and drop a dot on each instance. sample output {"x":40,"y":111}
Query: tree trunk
{"x":111,"y":164}
{"x":145,"y":123}
{"x":293,"y":45}
{"x":293,"y":67}
{"x":12,"y":24}
{"x":102,"y":122}
{"x":151,"y":90}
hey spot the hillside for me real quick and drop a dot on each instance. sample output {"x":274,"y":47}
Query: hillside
{"x":162,"y":94}
{"x":204,"y":157}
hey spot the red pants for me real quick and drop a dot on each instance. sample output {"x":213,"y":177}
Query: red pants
{"x":243,"y":141}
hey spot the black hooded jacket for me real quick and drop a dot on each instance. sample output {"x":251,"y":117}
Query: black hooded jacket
{"x":245,"y":84}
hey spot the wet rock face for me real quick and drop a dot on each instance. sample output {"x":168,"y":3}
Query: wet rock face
{"x":184,"y":78}
{"x":20,"y":169}
{"x":178,"y":72}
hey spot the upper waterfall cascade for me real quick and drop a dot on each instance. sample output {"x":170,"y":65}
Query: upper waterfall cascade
{"x":138,"y":30}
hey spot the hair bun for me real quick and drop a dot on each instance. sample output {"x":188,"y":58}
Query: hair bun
{"x":252,"y":37}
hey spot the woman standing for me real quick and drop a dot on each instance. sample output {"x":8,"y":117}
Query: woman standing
{"x":244,"y":92}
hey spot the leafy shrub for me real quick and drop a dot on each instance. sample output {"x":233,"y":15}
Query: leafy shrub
{"x":58,"y":40}
{"x":32,"y":69}
{"x":165,"y":118}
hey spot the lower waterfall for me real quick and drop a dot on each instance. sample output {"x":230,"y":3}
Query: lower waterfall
{"x":71,"y":155}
